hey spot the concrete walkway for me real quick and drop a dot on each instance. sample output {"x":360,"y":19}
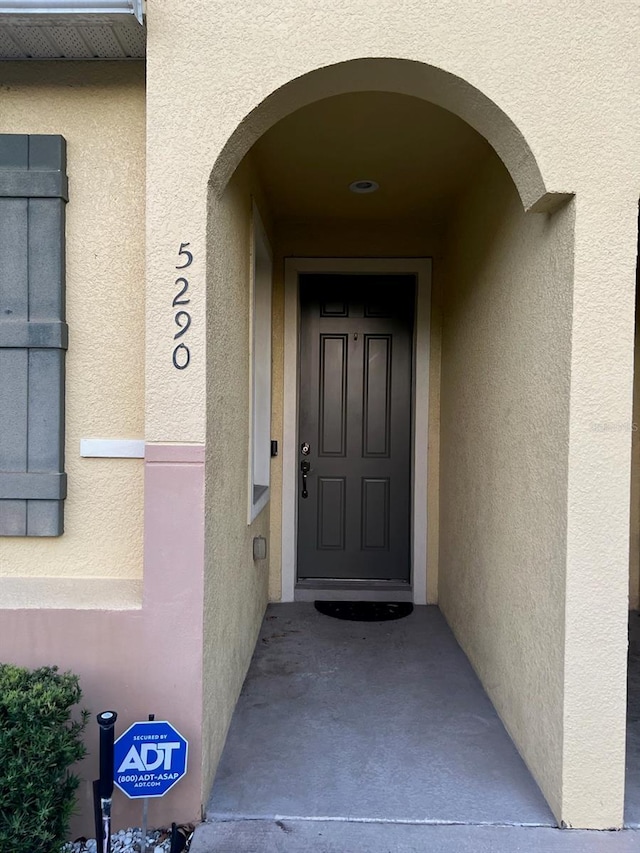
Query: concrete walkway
{"x":632,"y":787}
{"x":374,"y":737}
{"x":312,"y":837}
{"x":376,"y":721}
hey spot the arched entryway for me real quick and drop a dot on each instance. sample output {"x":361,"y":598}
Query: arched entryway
{"x":495,"y":361}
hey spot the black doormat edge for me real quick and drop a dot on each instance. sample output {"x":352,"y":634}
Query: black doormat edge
{"x":365,"y":611}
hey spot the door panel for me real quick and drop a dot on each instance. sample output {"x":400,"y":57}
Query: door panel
{"x":333,"y":397}
{"x":331,"y":513}
{"x":375,"y":514}
{"x":356,"y":335}
{"x":376,"y":416}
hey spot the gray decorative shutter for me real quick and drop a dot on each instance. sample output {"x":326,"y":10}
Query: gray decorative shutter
{"x":33,"y":334}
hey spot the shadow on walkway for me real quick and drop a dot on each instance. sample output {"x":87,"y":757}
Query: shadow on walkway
{"x":378,"y":737}
{"x":372,"y":721}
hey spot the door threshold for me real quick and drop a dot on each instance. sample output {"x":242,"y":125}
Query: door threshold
{"x":349,"y":593}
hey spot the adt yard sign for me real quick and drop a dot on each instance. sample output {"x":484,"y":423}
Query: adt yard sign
{"x":148,"y":759}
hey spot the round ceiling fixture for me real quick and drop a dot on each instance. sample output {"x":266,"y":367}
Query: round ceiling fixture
{"x":364,"y":186}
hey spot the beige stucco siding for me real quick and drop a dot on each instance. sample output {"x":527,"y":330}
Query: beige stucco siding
{"x":596,"y":597}
{"x":100,"y":110}
{"x":504,"y":433}
{"x":561,"y":75}
{"x":235,"y":586}
{"x":537,"y":330}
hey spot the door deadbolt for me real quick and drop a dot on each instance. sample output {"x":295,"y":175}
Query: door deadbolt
{"x":305,"y":448}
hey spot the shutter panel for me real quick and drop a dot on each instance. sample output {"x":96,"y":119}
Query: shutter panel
{"x":33,"y":334}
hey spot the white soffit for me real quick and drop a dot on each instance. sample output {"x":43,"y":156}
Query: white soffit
{"x":64,"y":29}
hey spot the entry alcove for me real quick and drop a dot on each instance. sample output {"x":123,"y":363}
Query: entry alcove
{"x":490,"y":364}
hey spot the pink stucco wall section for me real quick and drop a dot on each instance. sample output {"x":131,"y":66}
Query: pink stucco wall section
{"x":140,"y":661}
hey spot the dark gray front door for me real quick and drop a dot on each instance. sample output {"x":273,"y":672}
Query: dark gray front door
{"x":354,"y":504}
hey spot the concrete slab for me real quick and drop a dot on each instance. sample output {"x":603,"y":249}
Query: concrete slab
{"x":374,"y":721}
{"x":632,"y":787}
{"x":339,"y":837}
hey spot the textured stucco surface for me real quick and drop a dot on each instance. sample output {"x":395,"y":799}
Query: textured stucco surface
{"x":505,"y":433}
{"x":566,"y":76}
{"x":598,"y":505}
{"x":544,"y":621}
{"x":136,"y":661}
{"x":234,"y":64}
{"x":235,"y":592}
{"x":99,"y":108}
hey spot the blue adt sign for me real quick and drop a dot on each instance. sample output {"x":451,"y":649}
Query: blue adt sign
{"x":149,"y":758}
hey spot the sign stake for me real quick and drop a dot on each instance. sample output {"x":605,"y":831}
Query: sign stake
{"x":145,"y":811}
{"x":106,"y":721}
{"x":145,"y":818}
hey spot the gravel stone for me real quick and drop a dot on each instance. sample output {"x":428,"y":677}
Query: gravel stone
{"x":125,"y":841}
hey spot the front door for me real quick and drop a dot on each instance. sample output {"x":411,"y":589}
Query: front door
{"x":354,"y":454}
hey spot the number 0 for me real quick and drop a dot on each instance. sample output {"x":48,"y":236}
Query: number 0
{"x":183,"y":361}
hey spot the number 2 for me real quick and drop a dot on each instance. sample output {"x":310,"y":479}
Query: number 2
{"x":185,"y":286}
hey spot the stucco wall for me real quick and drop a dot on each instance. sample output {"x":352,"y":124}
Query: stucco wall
{"x":100,"y":109}
{"x":79,"y":601}
{"x":235,"y":585}
{"x":136,"y":661}
{"x":564,"y":75}
{"x":504,"y":439}
{"x":561,"y":74}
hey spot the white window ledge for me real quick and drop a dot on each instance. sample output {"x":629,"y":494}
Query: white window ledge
{"x":112,"y":448}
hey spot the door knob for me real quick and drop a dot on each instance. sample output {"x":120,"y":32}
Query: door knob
{"x":305,"y":467}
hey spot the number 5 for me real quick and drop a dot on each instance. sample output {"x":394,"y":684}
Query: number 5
{"x":183,"y":251}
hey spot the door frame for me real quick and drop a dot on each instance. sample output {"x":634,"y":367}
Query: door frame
{"x":421,"y":268}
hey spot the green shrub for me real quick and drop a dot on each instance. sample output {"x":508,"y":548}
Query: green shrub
{"x":39,"y":741}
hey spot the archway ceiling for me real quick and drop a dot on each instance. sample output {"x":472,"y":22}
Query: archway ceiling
{"x":421,"y":155}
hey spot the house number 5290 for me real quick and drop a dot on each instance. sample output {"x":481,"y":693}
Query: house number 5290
{"x":182,"y":317}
